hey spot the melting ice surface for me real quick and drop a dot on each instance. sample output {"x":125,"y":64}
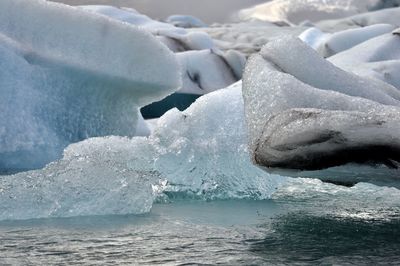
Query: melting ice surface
{"x":87,"y":77}
{"x":189,"y":192}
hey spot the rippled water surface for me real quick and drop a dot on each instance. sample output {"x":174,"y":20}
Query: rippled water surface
{"x":220,"y":232}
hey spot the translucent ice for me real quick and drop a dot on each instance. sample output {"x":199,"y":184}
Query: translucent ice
{"x":67,"y":75}
{"x":199,"y":153}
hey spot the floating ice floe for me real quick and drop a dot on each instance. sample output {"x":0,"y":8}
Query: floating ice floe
{"x":208,"y":70}
{"x":66,"y":75}
{"x":177,"y":39}
{"x":329,"y":44}
{"x":204,"y":67}
{"x":247,"y":37}
{"x":384,"y":16}
{"x":199,"y":153}
{"x":377,"y":58}
{"x":307,"y":117}
{"x":185,"y":21}
{"x":296,"y":11}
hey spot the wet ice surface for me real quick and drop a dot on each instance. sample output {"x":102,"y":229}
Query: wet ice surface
{"x":284,"y":231}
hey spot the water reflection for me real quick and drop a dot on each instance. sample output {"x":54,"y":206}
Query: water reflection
{"x":309,"y":238}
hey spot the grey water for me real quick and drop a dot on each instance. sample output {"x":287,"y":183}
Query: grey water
{"x":210,"y":11}
{"x":208,"y":233}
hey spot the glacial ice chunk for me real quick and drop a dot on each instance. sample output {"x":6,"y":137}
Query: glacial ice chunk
{"x":85,"y":76}
{"x":329,"y":44}
{"x":384,"y":16}
{"x":99,"y":176}
{"x":377,"y":58}
{"x":303,"y":114}
{"x":177,"y":39}
{"x":204,"y":67}
{"x":185,"y":21}
{"x":207,"y":70}
{"x":296,"y":11}
{"x":199,"y":153}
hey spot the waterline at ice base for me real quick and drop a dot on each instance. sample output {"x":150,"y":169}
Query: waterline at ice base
{"x":269,"y":139}
{"x":66,"y":94}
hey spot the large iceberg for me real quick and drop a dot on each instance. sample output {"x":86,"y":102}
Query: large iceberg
{"x":205,"y":68}
{"x":296,"y":11}
{"x":67,"y":75}
{"x":199,"y":153}
{"x":304,"y":114}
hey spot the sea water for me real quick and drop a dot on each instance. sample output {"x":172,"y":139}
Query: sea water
{"x":186,"y":232}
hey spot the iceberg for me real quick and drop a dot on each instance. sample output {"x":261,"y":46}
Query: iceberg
{"x":209,"y":70}
{"x":296,"y":11}
{"x":88,"y":77}
{"x":199,"y":153}
{"x":377,"y":58}
{"x":248,"y":37}
{"x":384,"y":16}
{"x":204,"y":67}
{"x":306,"y":117}
{"x":177,"y":39}
{"x":185,"y":21}
{"x":330,"y":44}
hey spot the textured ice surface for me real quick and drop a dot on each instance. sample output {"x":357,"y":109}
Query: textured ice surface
{"x":330,"y":44}
{"x":304,"y":113}
{"x":199,"y":153}
{"x":296,"y":11}
{"x":67,"y":75}
{"x":177,"y":39}
{"x":204,"y":149}
{"x":205,"y":71}
{"x":204,"y":67}
{"x":95,"y":177}
{"x":247,"y":37}
{"x":185,"y":21}
{"x":314,"y":37}
{"x":384,"y":16}
{"x":376,"y":58}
